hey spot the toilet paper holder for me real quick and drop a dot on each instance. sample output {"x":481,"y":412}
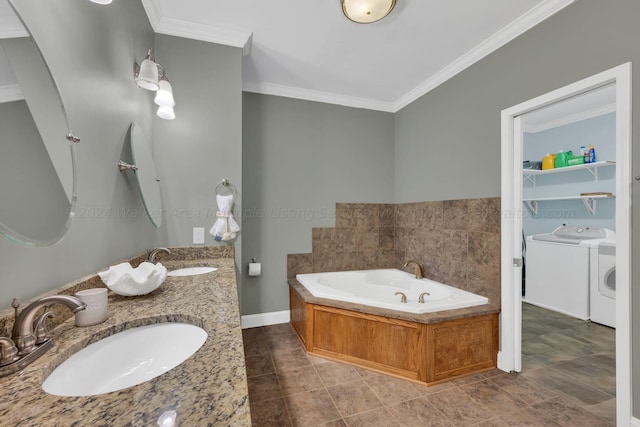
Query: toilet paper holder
{"x":254,"y":268}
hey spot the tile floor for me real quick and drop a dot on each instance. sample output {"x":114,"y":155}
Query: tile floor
{"x":287,"y":387}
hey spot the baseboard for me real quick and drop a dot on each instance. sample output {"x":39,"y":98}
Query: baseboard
{"x":265,"y":319}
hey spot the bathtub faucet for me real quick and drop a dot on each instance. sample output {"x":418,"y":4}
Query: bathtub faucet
{"x":419,"y":274}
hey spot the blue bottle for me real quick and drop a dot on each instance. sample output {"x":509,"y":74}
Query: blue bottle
{"x":592,"y":154}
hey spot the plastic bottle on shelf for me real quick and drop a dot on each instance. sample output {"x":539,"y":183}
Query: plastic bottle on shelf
{"x":561,"y":159}
{"x":592,"y":154}
{"x":548,"y":162}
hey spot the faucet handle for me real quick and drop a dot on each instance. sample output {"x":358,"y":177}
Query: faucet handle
{"x":8,"y":351}
{"x":42,"y":334}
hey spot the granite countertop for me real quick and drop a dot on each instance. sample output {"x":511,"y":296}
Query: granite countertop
{"x":209,"y":388}
{"x":436,"y":317}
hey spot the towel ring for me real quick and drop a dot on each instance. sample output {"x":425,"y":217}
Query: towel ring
{"x":225,"y":184}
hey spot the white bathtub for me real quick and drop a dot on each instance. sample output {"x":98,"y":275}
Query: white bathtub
{"x":377,"y":288}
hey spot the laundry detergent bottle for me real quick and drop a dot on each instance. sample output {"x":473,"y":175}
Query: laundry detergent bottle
{"x":561,"y":159}
{"x":548,"y":162}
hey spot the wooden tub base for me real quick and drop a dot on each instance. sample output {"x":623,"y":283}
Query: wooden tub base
{"x":426,"y":353}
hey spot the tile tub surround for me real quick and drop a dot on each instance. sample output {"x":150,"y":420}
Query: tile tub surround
{"x":457,"y":242}
{"x":210,"y":388}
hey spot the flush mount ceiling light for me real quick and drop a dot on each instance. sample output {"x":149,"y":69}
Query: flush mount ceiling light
{"x":101,"y":1}
{"x":367,"y":11}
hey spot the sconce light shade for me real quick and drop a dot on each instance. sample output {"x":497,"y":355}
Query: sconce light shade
{"x":164,"y":95}
{"x":367,"y":11}
{"x":166,"y":112}
{"x":147,"y":74}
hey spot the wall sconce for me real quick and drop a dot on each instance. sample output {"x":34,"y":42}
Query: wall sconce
{"x":152,"y":76}
{"x":367,"y":11}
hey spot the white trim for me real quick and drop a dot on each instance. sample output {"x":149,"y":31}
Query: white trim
{"x":317,"y":96}
{"x":635,"y":422}
{"x":621,"y":77}
{"x":265,"y":319}
{"x":154,"y":13}
{"x":10,"y":93}
{"x":583,"y":115}
{"x":527,"y":21}
{"x":11,"y":27}
{"x":235,"y":37}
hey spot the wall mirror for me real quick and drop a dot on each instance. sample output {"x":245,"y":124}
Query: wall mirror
{"x":37,"y":154}
{"x":144,"y":169}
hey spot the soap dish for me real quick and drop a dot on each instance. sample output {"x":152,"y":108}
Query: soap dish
{"x":128,"y":281}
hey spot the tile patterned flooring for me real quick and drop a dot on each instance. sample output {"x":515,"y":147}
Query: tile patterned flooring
{"x":287,"y":387}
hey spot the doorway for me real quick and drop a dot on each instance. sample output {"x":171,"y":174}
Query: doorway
{"x":510,"y":355}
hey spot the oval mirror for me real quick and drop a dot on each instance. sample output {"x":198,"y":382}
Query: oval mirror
{"x":146,"y":176}
{"x":37,"y":154}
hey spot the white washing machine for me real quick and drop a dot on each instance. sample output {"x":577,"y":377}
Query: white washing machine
{"x":603,"y":283}
{"x":558,"y":268}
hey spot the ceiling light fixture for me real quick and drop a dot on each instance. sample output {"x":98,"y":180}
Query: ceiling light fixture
{"x":152,"y":76}
{"x":367,"y":11}
{"x":101,"y":1}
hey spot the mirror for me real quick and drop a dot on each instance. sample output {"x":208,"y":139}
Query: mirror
{"x":37,"y":154}
{"x":145,"y":170}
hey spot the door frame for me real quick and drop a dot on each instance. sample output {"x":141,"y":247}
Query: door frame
{"x":509,"y":356}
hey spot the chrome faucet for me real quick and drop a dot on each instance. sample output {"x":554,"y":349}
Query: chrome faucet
{"x":26,"y":343}
{"x":152,"y":255}
{"x":419,"y":274}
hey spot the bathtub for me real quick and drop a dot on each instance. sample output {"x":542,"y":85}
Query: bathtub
{"x":376,"y":288}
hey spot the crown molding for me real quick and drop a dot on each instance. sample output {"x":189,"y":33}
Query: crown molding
{"x":524,"y":23}
{"x":317,"y":96}
{"x":11,"y":27}
{"x":10,"y":93}
{"x":573,"y":118}
{"x":209,"y":33}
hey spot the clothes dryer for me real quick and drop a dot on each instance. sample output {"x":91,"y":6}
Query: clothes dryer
{"x":603,"y":284}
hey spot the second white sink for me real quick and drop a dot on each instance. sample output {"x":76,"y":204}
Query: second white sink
{"x":191,"y":271}
{"x":125,"y":359}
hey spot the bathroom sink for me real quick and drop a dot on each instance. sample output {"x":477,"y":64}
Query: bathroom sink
{"x":125,"y":359}
{"x":191,"y":271}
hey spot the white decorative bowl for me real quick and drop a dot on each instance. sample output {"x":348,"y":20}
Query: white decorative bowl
{"x":128,"y":281}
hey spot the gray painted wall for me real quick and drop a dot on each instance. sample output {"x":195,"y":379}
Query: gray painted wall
{"x":299,"y":158}
{"x":203,"y":144}
{"x":94,"y":72}
{"x":447,"y":143}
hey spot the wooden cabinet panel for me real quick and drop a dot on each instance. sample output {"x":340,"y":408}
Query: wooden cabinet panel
{"x":462,"y":346}
{"x":298,"y":310}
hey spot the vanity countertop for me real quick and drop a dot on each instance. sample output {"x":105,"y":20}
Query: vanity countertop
{"x":210,"y":388}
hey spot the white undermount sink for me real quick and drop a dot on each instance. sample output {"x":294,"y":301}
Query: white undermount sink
{"x":125,"y":359}
{"x":191,"y":271}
